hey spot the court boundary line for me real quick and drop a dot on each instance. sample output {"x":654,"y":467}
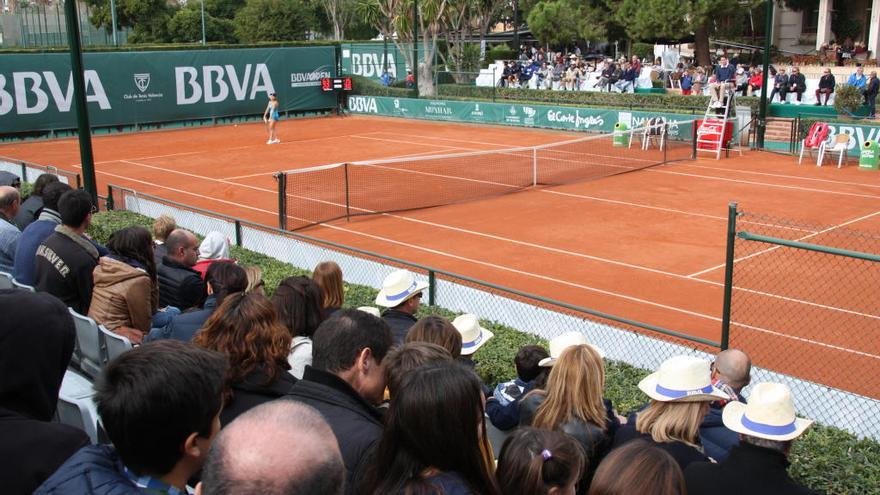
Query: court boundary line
{"x":753,"y":172}
{"x":782,"y":186}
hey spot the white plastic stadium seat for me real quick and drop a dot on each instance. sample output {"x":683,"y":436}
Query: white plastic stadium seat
{"x":90,"y":340}
{"x":6,"y":281}
{"x":75,"y":405}
{"x":115,"y":344}
{"x":20,"y":285}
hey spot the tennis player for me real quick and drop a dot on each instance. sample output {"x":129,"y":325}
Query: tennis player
{"x":271,"y":118}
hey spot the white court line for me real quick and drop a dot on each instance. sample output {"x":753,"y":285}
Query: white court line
{"x":797,"y":188}
{"x":808,"y":236}
{"x":806,"y":341}
{"x":784,"y":176}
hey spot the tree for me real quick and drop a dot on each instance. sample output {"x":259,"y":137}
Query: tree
{"x":186,"y":26}
{"x":340,"y":13}
{"x":274,"y":20}
{"x":563,"y":22}
{"x":148,"y":19}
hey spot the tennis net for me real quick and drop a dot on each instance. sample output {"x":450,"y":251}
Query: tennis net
{"x":316,"y":195}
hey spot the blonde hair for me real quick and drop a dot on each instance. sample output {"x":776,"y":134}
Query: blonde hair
{"x":669,"y":422}
{"x":254,"y":278}
{"x":163,"y":226}
{"x":328,"y":276}
{"x":574,"y":390}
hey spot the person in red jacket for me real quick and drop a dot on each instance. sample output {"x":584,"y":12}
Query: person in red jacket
{"x":756,"y":81}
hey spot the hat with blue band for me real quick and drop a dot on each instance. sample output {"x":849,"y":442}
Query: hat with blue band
{"x":682,"y":379}
{"x":473,"y":335}
{"x":397,"y":287}
{"x":769,"y":414}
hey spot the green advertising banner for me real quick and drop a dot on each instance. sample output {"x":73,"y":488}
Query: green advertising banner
{"x":36,"y":90}
{"x":369,"y":59}
{"x":518,"y":114}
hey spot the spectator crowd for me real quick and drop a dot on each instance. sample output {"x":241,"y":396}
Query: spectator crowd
{"x":228,"y":391}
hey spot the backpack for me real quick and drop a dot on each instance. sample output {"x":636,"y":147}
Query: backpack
{"x":817,"y":134}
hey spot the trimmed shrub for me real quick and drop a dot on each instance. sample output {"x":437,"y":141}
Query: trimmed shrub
{"x":365,"y":86}
{"x":847,"y":99}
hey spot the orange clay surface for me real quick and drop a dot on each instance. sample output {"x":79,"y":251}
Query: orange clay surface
{"x":648,"y":245}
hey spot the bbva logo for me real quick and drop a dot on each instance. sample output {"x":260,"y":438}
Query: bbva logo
{"x":31,"y":92}
{"x":363,"y":104}
{"x":217,"y":80}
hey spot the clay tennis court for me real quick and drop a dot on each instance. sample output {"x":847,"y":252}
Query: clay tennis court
{"x":646,"y":245}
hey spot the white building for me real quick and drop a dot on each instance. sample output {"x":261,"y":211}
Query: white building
{"x":809,"y":30}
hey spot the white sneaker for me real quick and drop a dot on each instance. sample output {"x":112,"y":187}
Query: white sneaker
{"x":269,"y":142}
{"x":276,"y":141}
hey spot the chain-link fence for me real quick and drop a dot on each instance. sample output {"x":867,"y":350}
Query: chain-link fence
{"x":37,"y":25}
{"x":803,"y":305}
{"x":28,"y":172}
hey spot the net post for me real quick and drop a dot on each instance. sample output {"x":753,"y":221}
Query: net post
{"x":728,"y":275}
{"x":281,"y":177}
{"x":694,"y":130}
{"x":347,"y":198}
{"x":534,"y":167}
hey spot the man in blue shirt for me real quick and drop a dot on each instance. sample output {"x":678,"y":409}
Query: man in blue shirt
{"x":858,"y":79}
{"x":725,"y":76}
{"x":10,"y":200}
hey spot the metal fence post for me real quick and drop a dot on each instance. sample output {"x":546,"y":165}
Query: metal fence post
{"x":432,"y":287}
{"x":347,"y":198}
{"x":238,"y":241}
{"x":695,"y":129}
{"x":24,"y":172}
{"x":281,"y":177}
{"x":728,"y":275}
{"x":109,"y":205}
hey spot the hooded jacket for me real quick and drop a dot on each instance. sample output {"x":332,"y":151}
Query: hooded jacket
{"x":36,"y":343}
{"x":123,"y":295}
{"x":27,"y":212}
{"x":63,"y":267}
{"x":215,"y":247}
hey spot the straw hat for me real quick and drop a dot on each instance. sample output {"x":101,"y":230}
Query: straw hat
{"x":372,"y":310}
{"x":397,"y":287}
{"x":563,"y":342}
{"x":682,"y":379}
{"x":769,"y":414}
{"x":473,"y":336}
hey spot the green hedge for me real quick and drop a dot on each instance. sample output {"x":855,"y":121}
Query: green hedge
{"x":826,"y":459}
{"x":137,"y":47}
{"x":366,"y":86}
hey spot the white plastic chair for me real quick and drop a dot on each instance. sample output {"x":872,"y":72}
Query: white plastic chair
{"x":6,"y":281}
{"x":90,"y":342}
{"x":75,"y":405}
{"x":20,"y":285}
{"x":115,"y":344}
{"x":841,"y":147}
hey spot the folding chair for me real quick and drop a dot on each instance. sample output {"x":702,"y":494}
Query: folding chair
{"x":90,"y":341}
{"x":115,"y":344}
{"x":841,"y":147}
{"x":6,"y":281}
{"x":814,"y":141}
{"x":75,"y":405}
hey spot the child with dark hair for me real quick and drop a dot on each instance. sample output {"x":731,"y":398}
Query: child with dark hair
{"x":539,"y":462}
{"x":299,"y":304}
{"x":503,"y":406}
{"x":160,"y":406}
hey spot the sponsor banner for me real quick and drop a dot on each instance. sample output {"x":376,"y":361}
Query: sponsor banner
{"x":858,"y":134}
{"x":36,"y":90}
{"x":518,"y":114}
{"x":370,"y":59}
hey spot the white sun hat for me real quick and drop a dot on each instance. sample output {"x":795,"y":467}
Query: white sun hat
{"x":397,"y":287}
{"x":473,"y":336}
{"x":372,"y":310}
{"x":563,"y":342}
{"x":682,"y":379}
{"x":769,"y":414}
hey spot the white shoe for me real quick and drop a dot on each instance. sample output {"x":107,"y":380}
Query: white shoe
{"x":276,"y":141}
{"x":269,"y":142}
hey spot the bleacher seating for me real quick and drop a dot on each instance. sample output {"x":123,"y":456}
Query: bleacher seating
{"x":92,"y":351}
{"x":75,"y":405}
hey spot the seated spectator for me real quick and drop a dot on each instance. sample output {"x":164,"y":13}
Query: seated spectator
{"x":253,"y":454}
{"x":37,"y":232}
{"x":410,"y":80}
{"x":10,"y":202}
{"x":297,"y":301}
{"x":214,"y":247}
{"x":386,"y":78}
{"x":609,"y":76}
{"x":345,"y":382}
{"x":681,"y":392}
{"x":731,"y":372}
{"x":557,"y":74}
{"x":826,"y":87}
{"x":36,"y":343}
{"x":246,"y":329}
{"x":857,"y":78}
{"x":725,"y":78}
{"x":627,"y":80}
{"x":797,"y":84}
{"x":768,"y":427}
{"x":742,"y":81}
{"x":502,"y":406}
{"x":872,"y":87}
{"x":539,"y":462}
{"x":10,"y":179}
{"x":780,"y":83}
{"x":163,"y":226}
{"x":473,"y":335}
{"x":638,"y":467}
{"x":572,"y":402}
{"x":403,"y":359}
{"x":756,"y":81}
{"x":126,"y":292}
{"x":700,"y":80}
{"x":65,"y":261}
{"x":255,"y":279}
{"x":687,"y":83}
{"x":436,"y":330}
{"x":328,"y":276}
{"x":160,"y":406}
{"x":31,"y":206}
{"x":636,"y":64}
{"x":417,"y":453}
{"x":223,"y":279}
{"x":180,"y":285}
{"x":402,"y":295}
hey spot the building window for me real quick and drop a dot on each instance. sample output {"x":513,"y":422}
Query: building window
{"x":810,"y":20}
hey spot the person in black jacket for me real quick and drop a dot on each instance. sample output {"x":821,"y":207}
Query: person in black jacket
{"x":401,"y":293}
{"x":160,"y":406}
{"x":731,"y":372}
{"x":826,"y":87}
{"x":246,"y":328}
{"x":36,"y":343}
{"x":767,"y":426}
{"x":872,"y":87}
{"x":65,"y":261}
{"x":179,"y":285}
{"x":31,"y":206}
{"x":796,"y":84}
{"x":345,"y":382}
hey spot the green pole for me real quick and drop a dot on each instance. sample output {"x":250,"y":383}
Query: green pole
{"x":79,"y":95}
{"x":415,"y":55}
{"x":762,"y":109}
{"x":728,"y":275}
